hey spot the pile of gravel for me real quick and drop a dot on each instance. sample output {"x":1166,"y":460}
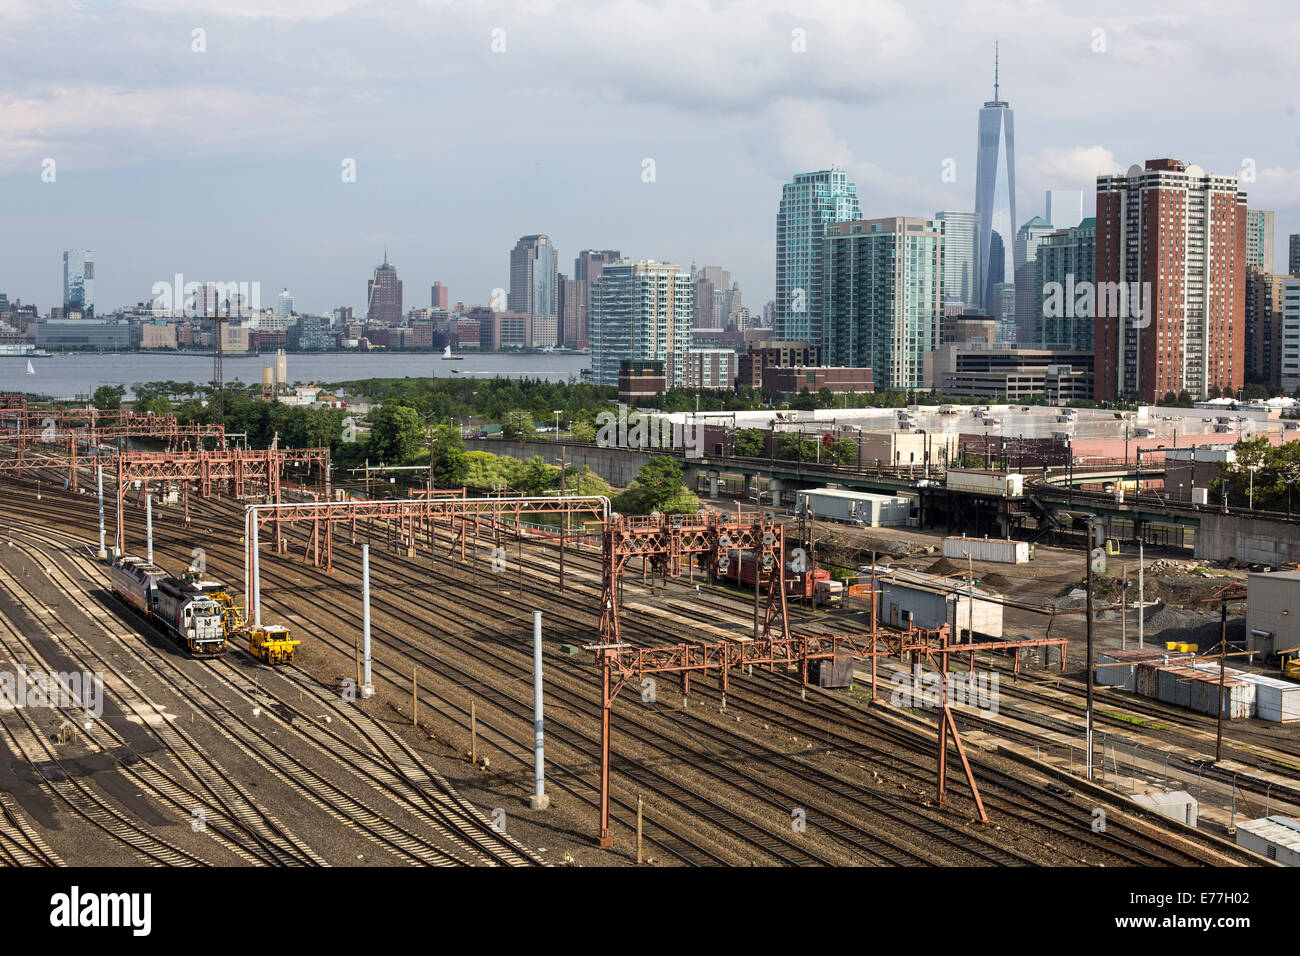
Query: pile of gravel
{"x":1163,"y":623}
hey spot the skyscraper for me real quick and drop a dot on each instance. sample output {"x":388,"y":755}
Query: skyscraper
{"x":1263,"y":326}
{"x":640,"y":311}
{"x":712,"y":284}
{"x":534,"y":288}
{"x":79,"y":282}
{"x":883,"y":296}
{"x":995,"y":193}
{"x":959,"y":264}
{"x":284,"y":304}
{"x":384,"y":295}
{"x":808,"y":204}
{"x":589,"y":262}
{"x":1028,"y":238}
{"x":438,"y":296}
{"x":1171,"y":270}
{"x":1293,"y":255}
{"x":1259,"y":239}
{"x":1064,"y":208}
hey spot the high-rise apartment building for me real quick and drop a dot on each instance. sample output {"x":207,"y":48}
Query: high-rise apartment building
{"x":79,"y":282}
{"x":1290,"y":360}
{"x":589,"y":262}
{"x":809,"y":203}
{"x":438,"y":296}
{"x":534,"y":279}
{"x":883,"y":282}
{"x":1065,"y":274}
{"x":640,"y":311}
{"x":1293,"y":255}
{"x":384,"y":295}
{"x":573,"y":294}
{"x":1171,"y":281}
{"x":995,"y":191}
{"x":1259,"y":239}
{"x":1263,"y":329}
{"x":959,"y":263}
{"x":1028,"y":241}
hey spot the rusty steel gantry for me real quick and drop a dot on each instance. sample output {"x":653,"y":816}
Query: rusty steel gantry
{"x":60,"y":444}
{"x":410,"y":514}
{"x":241,"y":471}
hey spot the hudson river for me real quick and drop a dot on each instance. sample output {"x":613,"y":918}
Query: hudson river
{"x":67,"y":376}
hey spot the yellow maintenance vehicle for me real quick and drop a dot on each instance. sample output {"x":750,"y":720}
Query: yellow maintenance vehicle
{"x":270,"y":643}
{"x":1290,"y":660}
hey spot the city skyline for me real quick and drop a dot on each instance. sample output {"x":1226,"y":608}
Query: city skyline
{"x":285,"y":217}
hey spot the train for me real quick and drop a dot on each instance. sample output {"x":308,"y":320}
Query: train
{"x":184,"y":609}
{"x":798,"y":584}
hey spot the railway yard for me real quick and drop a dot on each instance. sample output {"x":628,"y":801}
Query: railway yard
{"x":228,"y":761}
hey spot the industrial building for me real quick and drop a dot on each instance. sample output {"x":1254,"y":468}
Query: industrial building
{"x":1274,"y":838}
{"x":855,"y":507}
{"x":1273,"y":612}
{"x":917,"y":599}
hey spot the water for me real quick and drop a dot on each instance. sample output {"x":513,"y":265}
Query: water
{"x":67,"y":376}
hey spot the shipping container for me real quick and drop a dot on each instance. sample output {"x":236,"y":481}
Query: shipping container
{"x":1119,"y":668}
{"x":1001,"y":550}
{"x":1275,"y":699}
{"x":979,"y":481}
{"x":855,"y":507}
{"x":832,"y":672}
{"x":1197,"y":687}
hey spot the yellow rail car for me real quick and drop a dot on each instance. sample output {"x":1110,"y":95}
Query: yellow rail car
{"x":271,"y":644}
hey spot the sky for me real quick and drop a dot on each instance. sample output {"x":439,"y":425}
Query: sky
{"x":215,"y":139}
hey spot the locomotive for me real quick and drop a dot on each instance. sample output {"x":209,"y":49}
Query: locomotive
{"x":798,"y":584}
{"x":183,"y":609}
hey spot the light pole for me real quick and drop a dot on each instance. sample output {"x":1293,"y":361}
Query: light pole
{"x":1250,"y":494}
{"x":1087,"y":676}
{"x":557,"y":411}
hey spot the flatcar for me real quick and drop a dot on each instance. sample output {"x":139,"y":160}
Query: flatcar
{"x":190,"y":617}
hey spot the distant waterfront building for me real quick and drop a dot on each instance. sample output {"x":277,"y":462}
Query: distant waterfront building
{"x":711,"y":287}
{"x":1259,"y":239}
{"x":1004,"y":299}
{"x":809,"y":203}
{"x":640,"y":311}
{"x":1293,"y":255}
{"x":284,"y":304}
{"x":959,"y":264}
{"x":534,"y":292}
{"x":438,"y":296}
{"x":1065,"y":265}
{"x":1028,"y":239}
{"x":1180,"y":235}
{"x":384,"y":295}
{"x":995,"y":190}
{"x":79,"y":282}
{"x":883,"y":296}
{"x":573,"y":295}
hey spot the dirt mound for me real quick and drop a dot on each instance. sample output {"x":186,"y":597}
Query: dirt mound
{"x":997,"y":581}
{"x":1163,"y":623}
{"x":944,"y":566}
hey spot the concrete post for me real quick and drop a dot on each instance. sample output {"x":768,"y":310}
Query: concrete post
{"x":539,"y":799}
{"x":367,"y":687}
{"x":99,"y":469}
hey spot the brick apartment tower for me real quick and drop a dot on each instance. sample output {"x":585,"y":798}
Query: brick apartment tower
{"x":1184,"y":232}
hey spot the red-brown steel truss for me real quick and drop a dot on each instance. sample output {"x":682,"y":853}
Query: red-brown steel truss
{"x":244,"y":472}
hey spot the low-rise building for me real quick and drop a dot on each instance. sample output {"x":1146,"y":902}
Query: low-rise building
{"x":839,"y":379}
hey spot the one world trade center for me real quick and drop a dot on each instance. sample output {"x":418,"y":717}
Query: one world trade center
{"x":995,"y":195}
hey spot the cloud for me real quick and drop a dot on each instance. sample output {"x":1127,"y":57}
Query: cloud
{"x":1075,"y":167}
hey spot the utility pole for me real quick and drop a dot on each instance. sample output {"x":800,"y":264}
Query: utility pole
{"x":1223,"y":654}
{"x":539,"y":800}
{"x":1142,"y":604}
{"x":564,"y":515}
{"x":1088,"y":671}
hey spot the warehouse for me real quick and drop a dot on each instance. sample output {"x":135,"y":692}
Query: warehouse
{"x":854,"y":507}
{"x":1274,"y":838}
{"x":1273,"y":612}
{"x":917,"y":599}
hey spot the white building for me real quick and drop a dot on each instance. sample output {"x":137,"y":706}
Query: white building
{"x":284,"y":304}
{"x":641,"y":311}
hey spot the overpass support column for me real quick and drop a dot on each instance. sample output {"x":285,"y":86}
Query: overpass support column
{"x":713,"y":484}
{"x":774,"y":485}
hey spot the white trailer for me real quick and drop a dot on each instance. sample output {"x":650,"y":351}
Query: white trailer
{"x":1000,"y":550}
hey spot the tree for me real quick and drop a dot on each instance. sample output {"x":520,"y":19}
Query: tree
{"x":844,"y":452}
{"x":108,"y":396}
{"x":536,"y":476}
{"x":153,"y":406}
{"x":659,"y":487}
{"x":583,"y":431}
{"x":395,"y":433}
{"x":750,"y":443}
{"x":447,"y":457}
{"x":517,"y":423}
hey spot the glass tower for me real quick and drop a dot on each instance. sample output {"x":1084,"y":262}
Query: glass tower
{"x":995,"y":191}
{"x":808,"y":203}
{"x":79,"y":282}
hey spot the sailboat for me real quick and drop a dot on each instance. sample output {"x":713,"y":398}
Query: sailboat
{"x":30,"y":370}
{"x":448,"y":357}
